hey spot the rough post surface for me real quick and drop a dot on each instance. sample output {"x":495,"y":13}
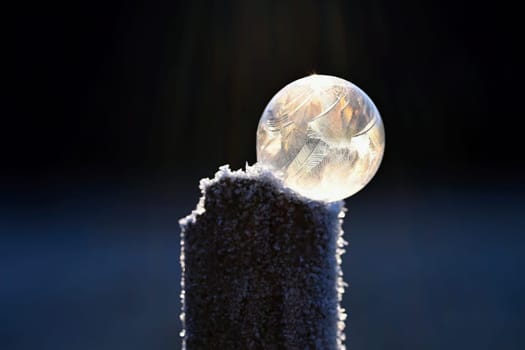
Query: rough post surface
{"x":261,"y":267}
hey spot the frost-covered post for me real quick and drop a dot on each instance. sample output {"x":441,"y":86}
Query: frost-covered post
{"x":261,"y":267}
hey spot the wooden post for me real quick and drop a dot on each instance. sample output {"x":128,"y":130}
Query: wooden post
{"x":261,"y":267}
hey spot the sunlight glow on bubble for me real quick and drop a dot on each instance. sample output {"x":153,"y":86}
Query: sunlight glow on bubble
{"x":323,"y":136}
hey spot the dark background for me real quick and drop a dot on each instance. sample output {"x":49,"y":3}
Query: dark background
{"x":115,"y":110}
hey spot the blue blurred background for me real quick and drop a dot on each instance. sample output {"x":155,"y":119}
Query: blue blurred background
{"x":117,"y":109}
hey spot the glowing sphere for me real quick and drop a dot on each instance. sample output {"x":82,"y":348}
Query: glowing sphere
{"x":323,"y":136}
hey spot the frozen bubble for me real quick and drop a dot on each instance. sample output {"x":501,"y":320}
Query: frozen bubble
{"x":323,"y":136}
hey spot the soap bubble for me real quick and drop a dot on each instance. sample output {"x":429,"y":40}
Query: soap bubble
{"x":323,"y":136}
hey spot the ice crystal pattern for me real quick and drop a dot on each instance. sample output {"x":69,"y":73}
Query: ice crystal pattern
{"x":323,"y":136}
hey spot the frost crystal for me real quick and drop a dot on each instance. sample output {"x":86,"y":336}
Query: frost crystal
{"x":323,"y":136}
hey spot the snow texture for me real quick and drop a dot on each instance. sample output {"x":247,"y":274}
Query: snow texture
{"x":261,"y":266}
